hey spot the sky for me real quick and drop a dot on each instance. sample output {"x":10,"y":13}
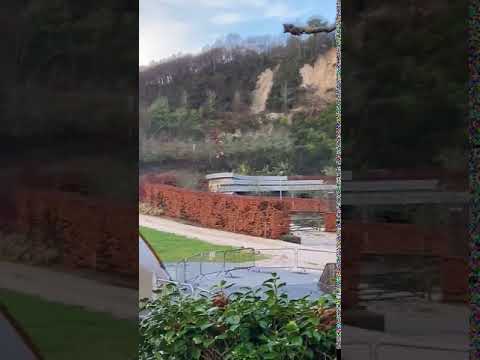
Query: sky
{"x":169,"y":27}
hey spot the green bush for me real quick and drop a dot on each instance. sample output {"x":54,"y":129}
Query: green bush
{"x":249,"y":325}
{"x":291,"y":238}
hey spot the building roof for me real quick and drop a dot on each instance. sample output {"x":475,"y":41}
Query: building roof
{"x":234,"y":183}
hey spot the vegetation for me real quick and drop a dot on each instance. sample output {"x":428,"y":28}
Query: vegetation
{"x":249,"y":325}
{"x":173,"y":248}
{"x":196,"y":109}
{"x":69,"y":332}
{"x":306,"y":145}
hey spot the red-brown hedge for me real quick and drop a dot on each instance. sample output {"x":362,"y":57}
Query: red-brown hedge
{"x":329,"y":219}
{"x":93,"y":234}
{"x":257,"y":216}
{"x":309,"y":205}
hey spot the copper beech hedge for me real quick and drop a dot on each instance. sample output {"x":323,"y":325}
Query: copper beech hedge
{"x":257,"y":216}
{"x":223,"y":211}
{"x":92,"y":234}
{"x":307,"y":205}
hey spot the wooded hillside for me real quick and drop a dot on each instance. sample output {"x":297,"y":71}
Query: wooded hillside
{"x":261,"y":106}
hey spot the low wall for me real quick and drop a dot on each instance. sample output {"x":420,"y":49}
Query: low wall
{"x":257,"y":216}
{"x":92,"y":234}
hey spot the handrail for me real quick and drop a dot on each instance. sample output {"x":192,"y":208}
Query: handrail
{"x":189,"y":286}
{"x":255,"y":252}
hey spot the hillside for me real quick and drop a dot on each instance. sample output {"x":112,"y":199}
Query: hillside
{"x":238,"y":108}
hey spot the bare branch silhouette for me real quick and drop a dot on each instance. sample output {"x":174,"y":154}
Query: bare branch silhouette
{"x":300,"y":30}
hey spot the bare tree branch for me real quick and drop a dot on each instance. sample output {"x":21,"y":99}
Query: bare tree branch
{"x":300,"y":30}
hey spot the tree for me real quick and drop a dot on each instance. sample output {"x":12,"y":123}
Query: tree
{"x":314,"y":141}
{"x":237,"y":103}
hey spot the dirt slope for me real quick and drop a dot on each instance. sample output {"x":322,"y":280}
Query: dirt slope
{"x":262,"y":91}
{"x":322,"y":75}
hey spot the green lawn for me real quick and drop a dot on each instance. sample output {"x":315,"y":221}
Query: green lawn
{"x":174,"y":248}
{"x":63,"y":332}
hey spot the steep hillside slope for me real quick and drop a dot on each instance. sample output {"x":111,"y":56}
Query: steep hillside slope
{"x":321,"y":77}
{"x":268,"y":112}
{"x":262,"y":91}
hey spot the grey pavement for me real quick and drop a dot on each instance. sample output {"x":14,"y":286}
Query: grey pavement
{"x":299,"y":284}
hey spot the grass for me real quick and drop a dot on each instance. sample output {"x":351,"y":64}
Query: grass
{"x":62,"y":332}
{"x":174,"y":248}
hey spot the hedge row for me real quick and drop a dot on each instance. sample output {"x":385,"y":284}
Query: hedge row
{"x":91,"y":234}
{"x":307,"y":205}
{"x":257,"y":216}
{"x":330,"y":220}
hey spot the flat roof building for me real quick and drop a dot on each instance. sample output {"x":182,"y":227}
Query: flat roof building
{"x":231,"y":183}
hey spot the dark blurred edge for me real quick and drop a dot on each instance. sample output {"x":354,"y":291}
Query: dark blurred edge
{"x":405,"y":182}
{"x":474,"y":126}
{"x":21,"y":332}
{"x":69,"y":155}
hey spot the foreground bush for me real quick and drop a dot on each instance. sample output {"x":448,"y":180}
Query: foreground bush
{"x":251,"y":325}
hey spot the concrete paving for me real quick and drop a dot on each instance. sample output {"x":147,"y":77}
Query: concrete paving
{"x":298,"y":284}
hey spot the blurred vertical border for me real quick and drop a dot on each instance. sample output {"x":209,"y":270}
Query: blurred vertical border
{"x":338,"y":40}
{"x":474,"y":52}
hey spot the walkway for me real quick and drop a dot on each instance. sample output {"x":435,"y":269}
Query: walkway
{"x":219,"y":237}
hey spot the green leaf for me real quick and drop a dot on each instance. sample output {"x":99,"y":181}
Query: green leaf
{"x":205,"y":326}
{"x":235,"y":319}
{"x":297,"y":341}
{"x":291,"y":326}
{"x":196,"y":353}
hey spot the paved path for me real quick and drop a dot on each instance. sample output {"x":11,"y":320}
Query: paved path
{"x":320,"y":239}
{"x":66,"y":288}
{"x":277,"y":255}
{"x":219,"y":237}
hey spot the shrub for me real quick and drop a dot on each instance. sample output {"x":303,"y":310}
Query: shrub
{"x":252,"y":215}
{"x":291,"y":238}
{"x":252,"y":324}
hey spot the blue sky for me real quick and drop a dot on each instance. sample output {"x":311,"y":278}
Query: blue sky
{"x":169,"y":27}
